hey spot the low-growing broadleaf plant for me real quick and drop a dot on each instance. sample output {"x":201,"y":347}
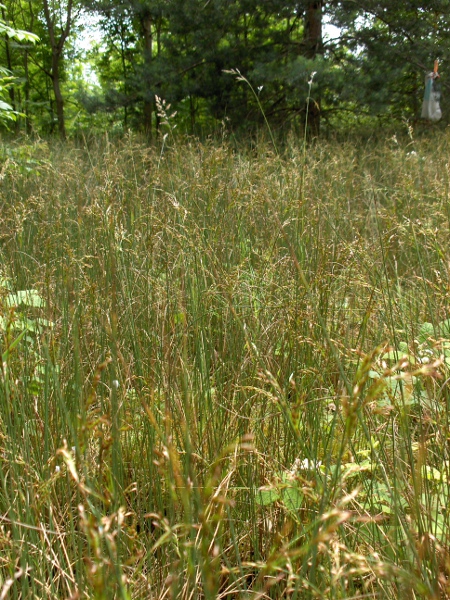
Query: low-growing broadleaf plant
{"x":20,"y":328}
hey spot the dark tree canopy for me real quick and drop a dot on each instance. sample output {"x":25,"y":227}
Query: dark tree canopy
{"x":183,"y":53}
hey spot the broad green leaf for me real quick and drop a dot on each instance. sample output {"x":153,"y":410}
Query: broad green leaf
{"x":444,"y":328}
{"x":431,"y":473}
{"x":179,"y":318}
{"x":25,"y":298}
{"x":6,"y":107}
{"x":44,"y":322}
{"x":386,"y":509}
{"x":382,"y":497}
{"x":18,"y":34}
{"x":292,"y":499}
{"x":426,"y":331}
{"x":265,"y":497}
{"x":5,"y":283}
{"x":395,"y":355}
{"x":34,"y":387}
{"x":5,"y":355}
{"x":441,"y":530}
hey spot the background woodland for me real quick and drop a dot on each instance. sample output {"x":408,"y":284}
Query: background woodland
{"x":100,"y":64}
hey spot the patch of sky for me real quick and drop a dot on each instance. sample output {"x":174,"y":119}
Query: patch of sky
{"x":88,"y":36}
{"x":330,"y":31}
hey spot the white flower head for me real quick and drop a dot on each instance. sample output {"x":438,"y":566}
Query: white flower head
{"x":310,"y":465}
{"x":304,"y":465}
{"x":313,"y":74}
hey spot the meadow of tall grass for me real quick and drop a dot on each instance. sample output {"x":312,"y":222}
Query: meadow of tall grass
{"x":225,"y":370}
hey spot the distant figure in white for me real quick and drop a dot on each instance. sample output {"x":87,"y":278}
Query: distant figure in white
{"x":430,"y":107}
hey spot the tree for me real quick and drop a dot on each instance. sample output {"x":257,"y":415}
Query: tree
{"x":184,"y":51}
{"x":313,"y":47}
{"x":7,"y":110}
{"x":42,"y":72}
{"x":131,"y":42}
{"x":263,"y":40}
{"x":181,"y":50}
{"x":59,"y":19}
{"x":390,"y":47}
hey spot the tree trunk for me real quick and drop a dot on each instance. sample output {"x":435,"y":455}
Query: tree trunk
{"x":9,"y":65}
{"x":28,"y":126}
{"x":123,"y":53}
{"x":57,"y":45}
{"x":59,"y":100}
{"x":148,"y":101}
{"x":313,"y":43}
